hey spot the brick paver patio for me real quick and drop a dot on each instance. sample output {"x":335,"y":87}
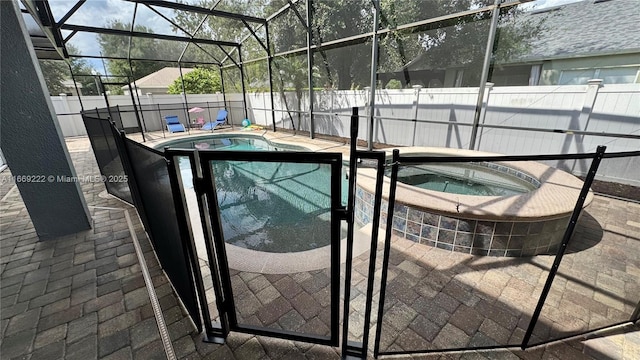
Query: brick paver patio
{"x":83,"y":295}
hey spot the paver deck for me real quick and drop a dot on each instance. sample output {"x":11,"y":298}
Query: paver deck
{"x":83,"y":295}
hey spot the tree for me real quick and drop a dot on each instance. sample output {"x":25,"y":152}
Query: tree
{"x":454,"y":43}
{"x":198,"y":81}
{"x":54,"y":72}
{"x":441,"y":45}
{"x":141,"y":48}
{"x":226,"y":29}
{"x":82,"y":72}
{"x":458,"y":42}
{"x":57,"y":71}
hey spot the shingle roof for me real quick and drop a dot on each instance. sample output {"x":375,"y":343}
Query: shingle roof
{"x":584,"y":28}
{"x":161,"y":78}
{"x":591,"y":27}
{"x":70,"y":84}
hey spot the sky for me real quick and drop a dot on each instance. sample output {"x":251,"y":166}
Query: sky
{"x":100,"y":12}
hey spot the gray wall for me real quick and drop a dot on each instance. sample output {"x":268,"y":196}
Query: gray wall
{"x":31,"y":139}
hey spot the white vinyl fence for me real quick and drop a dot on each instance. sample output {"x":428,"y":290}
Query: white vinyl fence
{"x":443,"y":118}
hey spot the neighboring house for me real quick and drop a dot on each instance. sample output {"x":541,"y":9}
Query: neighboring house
{"x":579,"y":41}
{"x":157,"y":82}
{"x":70,"y":88}
{"x":593,"y":39}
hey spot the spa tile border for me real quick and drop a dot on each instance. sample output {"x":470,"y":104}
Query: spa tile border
{"x":477,"y":237}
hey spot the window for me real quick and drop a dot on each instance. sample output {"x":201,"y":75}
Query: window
{"x":576,"y":77}
{"x":612,"y":75}
{"x":621,"y":75}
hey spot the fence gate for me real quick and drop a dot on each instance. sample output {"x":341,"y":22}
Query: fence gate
{"x":273,"y":235}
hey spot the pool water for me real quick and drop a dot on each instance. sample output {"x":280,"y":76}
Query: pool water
{"x":231,"y":143}
{"x":265,"y":206}
{"x":274,"y":207}
{"x":463,"y":179}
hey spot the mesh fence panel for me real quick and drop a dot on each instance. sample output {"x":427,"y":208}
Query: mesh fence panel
{"x":107,"y":157}
{"x":149,"y":169}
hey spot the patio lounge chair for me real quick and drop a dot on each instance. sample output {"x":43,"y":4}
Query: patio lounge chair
{"x":220,"y":119}
{"x":173,"y":124}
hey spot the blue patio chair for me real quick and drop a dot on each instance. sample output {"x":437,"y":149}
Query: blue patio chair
{"x":173,"y":124}
{"x":220,"y":119}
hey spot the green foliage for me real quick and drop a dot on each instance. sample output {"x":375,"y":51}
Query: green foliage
{"x":82,"y":72}
{"x":141,"y":48}
{"x":457,"y":42}
{"x":57,"y":71}
{"x":114,"y":90}
{"x":394,"y":84}
{"x":198,"y":81}
{"x":226,"y":29}
{"x":54,"y":72}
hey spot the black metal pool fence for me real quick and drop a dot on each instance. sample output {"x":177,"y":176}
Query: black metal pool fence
{"x":147,"y":118}
{"x":154,"y":188}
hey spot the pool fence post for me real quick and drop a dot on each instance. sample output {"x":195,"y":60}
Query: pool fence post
{"x":373,"y":252}
{"x":348,"y":351}
{"x":210,"y":335}
{"x":387,"y":248}
{"x":565,"y":241}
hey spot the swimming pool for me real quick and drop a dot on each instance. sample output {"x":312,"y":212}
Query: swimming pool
{"x":464,"y":179}
{"x":267,"y":206}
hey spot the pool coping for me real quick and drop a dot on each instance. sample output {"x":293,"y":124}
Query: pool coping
{"x":555,"y":198}
{"x":312,"y":145}
{"x":263,"y":262}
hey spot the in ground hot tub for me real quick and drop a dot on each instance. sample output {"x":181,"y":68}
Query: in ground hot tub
{"x":496,"y":209}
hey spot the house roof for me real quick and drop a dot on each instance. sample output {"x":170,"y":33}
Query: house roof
{"x":159,"y":79}
{"x":586,"y":28}
{"x":70,"y":84}
{"x":579,"y":29}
